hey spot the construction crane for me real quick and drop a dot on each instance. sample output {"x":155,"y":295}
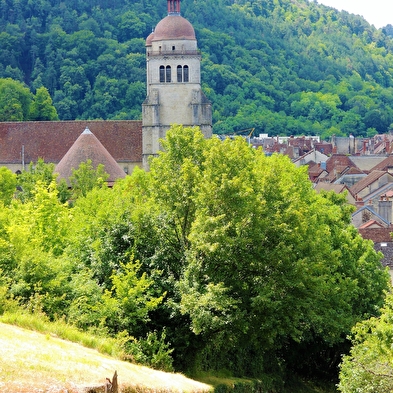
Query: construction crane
{"x":237,"y":133}
{"x":249,"y":135}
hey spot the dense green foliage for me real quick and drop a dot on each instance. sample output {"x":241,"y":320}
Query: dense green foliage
{"x":17,"y":103}
{"x":280,"y":66}
{"x":219,"y":258}
{"x":369,"y":367}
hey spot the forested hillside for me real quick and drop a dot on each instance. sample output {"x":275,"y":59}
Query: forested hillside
{"x":282,"y":66}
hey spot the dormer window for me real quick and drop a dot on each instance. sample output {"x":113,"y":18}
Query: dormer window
{"x":173,"y":47}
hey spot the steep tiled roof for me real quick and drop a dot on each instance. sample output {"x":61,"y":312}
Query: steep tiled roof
{"x":324,"y":147}
{"x":330,"y":177}
{"x":384,"y":165}
{"x":314,"y":169}
{"x":341,"y":169}
{"x":354,"y":171}
{"x":300,"y":142}
{"x":51,"y":140}
{"x":377,"y":235}
{"x":338,"y":160}
{"x":337,"y":188}
{"x":366,"y":181}
{"x":372,"y":224}
{"x":389,"y":194}
{"x":382,"y":240}
{"x":88,"y":147}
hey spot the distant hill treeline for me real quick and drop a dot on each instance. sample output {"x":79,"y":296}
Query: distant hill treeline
{"x":282,"y":66}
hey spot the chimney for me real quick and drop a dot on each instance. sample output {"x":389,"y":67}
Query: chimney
{"x":385,"y":209}
{"x":364,"y":147}
{"x":359,"y":202}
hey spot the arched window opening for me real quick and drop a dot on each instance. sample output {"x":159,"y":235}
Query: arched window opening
{"x":162,"y":74}
{"x":168,"y":74}
{"x":185,"y":74}
{"x":179,"y":73}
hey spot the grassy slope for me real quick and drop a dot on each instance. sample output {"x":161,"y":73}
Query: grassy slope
{"x":32,"y":362}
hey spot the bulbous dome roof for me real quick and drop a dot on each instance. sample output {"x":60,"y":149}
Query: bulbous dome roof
{"x":172,"y":27}
{"x":149,"y":39}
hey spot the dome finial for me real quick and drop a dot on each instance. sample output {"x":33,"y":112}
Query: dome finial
{"x":173,"y":7}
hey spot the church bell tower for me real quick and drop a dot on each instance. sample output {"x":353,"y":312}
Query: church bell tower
{"x":174,"y":94}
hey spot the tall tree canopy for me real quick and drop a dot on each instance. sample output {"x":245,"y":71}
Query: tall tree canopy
{"x":19,"y":104}
{"x":222,"y":257}
{"x":368,"y":368}
{"x":262,"y":255}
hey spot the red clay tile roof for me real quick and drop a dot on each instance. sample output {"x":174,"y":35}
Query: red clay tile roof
{"x":340,"y":160}
{"x":341,"y":169}
{"x":366,"y":181}
{"x":330,"y":177}
{"x":377,"y":235}
{"x":354,"y":171}
{"x":88,"y":147}
{"x":389,"y":194}
{"x":370,"y":224}
{"x":314,"y":170}
{"x":324,"y":147}
{"x":384,"y":165}
{"x":51,"y":140}
{"x":301,"y":142}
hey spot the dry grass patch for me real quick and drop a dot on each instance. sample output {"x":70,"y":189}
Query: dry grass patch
{"x":35,"y":362}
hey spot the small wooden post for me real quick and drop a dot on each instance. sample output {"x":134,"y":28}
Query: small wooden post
{"x":111,"y":387}
{"x":114,"y":383}
{"x":108,"y":385}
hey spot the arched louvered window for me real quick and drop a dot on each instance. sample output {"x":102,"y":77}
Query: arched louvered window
{"x":179,"y":73}
{"x":168,"y":74}
{"x":162,"y":74}
{"x":185,"y":74}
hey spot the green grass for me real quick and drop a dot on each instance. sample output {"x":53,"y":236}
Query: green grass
{"x":39,"y":323}
{"x":60,"y":330}
{"x":34,"y":358}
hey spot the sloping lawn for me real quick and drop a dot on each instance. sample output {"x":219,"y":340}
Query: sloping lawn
{"x":35,"y":362}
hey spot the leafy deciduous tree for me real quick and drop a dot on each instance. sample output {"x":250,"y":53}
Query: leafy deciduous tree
{"x":7,"y":185}
{"x":85,"y":178}
{"x":368,"y":368}
{"x":41,"y":108}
